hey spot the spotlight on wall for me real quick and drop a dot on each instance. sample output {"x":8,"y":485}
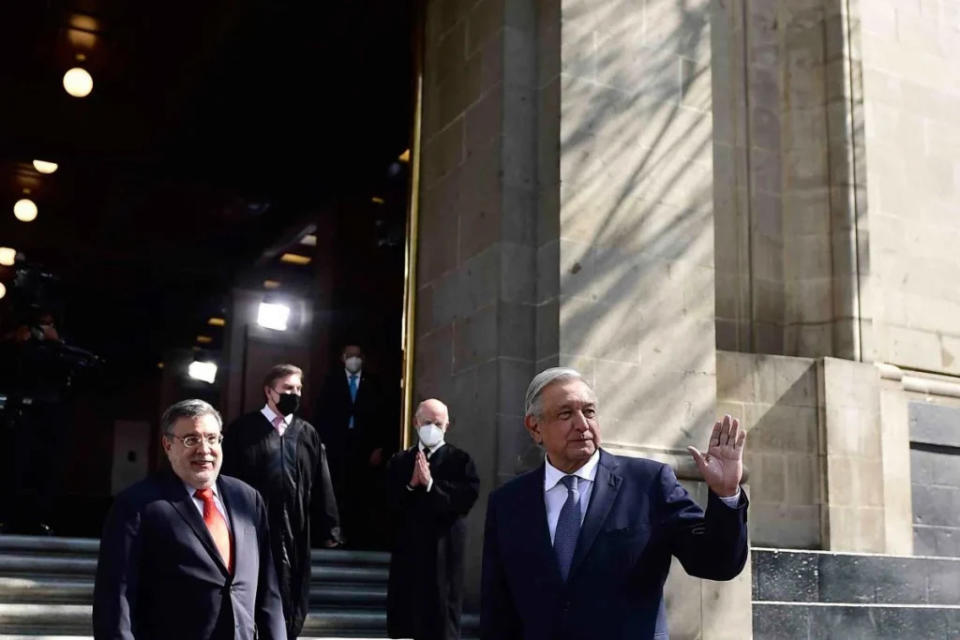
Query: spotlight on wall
{"x":45,"y":166}
{"x":205,"y":371}
{"x":78,"y":82}
{"x":273,"y":316}
{"x":25,"y":210}
{"x":7,"y":256}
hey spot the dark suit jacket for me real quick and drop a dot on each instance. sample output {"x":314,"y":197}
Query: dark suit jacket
{"x":160,"y":576}
{"x":333,"y":411}
{"x":638,"y":517}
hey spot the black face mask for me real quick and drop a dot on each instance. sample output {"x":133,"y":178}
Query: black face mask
{"x":287,"y":403}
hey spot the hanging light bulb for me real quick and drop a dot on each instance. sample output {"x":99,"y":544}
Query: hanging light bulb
{"x":25,"y":210}
{"x":43,"y":166}
{"x":78,"y":82}
{"x":7,"y":256}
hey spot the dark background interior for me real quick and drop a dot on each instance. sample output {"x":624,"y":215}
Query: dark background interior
{"x":216,"y":134}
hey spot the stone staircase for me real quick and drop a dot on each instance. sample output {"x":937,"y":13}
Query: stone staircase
{"x":815,"y":595}
{"x":46,"y":591}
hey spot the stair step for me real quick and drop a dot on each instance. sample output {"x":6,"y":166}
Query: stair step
{"x":55,"y":590}
{"x":54,"y":566}
{"x":46,"y":590}
{"x":46,"y":566}
{"x":49,"y":545}
{"x":801,"y":621}
{"x":783,"y":575}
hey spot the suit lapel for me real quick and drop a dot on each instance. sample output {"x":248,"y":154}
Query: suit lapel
{"x":533,"y":523}
{"x":183,"y":504}
{"x":605,"y":489}
{"x":236,"y":532}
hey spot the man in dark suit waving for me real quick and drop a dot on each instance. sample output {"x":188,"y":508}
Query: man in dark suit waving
{"x":185,"y":554}
{"x":580,"y":547}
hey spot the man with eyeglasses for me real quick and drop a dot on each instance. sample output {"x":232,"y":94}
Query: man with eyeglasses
{"x":186,"y":553}
{"x":280,"y":454}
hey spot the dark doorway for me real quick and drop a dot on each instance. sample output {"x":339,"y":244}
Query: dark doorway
{"x":219,"y":139}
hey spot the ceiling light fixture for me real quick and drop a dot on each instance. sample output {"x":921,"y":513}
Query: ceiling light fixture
{"x":217,"y":322}
{"x":78,"y":82}
{"x":3,"y":290}
{"x":44,"y":166}
{"x":7,"y":256}
{"x":377,"y":200}
{"x":405,"y":156}
{"x":309,"y":240}
{"x":295,"y":258}
{"x":25,"y":210}
{"x":271,"y":284}
{"x":204,"y":339}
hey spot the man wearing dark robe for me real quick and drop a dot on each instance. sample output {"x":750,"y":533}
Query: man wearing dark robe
{"x":281,"y":456}
{"x":431,"y":488}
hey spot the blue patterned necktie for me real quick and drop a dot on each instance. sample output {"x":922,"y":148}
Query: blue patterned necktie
{"x":568,"y":527}
{"x":353,"y":395}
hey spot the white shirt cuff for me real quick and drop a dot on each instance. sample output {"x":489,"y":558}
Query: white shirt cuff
{"x":430,"y":486}
{"x":732,"y":501}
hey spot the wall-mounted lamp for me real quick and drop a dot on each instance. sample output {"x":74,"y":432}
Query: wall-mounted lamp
{"x":205,"y":371}
{"x":273,"y":316}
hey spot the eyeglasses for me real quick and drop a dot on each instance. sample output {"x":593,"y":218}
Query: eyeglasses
{"x":193,"y":441}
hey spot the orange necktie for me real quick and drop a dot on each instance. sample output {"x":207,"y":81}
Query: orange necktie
{"x":217,"y":525}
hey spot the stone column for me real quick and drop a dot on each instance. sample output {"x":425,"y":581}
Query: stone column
{"x":475,"y":344}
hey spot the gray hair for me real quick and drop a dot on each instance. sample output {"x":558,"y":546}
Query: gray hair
{"x":192,"y":408}
{"x":532,"y":405}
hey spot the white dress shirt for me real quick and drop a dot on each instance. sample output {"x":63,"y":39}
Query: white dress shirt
{"x":198,"y":503}
{"x":555,"y":492}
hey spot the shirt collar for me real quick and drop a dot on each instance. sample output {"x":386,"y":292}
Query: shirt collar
{"x":270,"y":415}
{"x":588,"y":471}
{"x":359,"y":374}
{"x":430,"y":451}
{"x":191,"y":491}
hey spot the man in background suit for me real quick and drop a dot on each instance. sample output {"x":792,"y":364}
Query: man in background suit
{"x":350,"y":418}
{"x":280,"y":455}
{"x":431,"y":487}
{"x":185,"y":554}
{"x":580,"y":547}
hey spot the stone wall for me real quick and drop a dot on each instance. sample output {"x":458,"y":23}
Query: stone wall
{"x":935,"y":474}
{"x":788,"y":260}
{"x":911,"y":97}
{"x":775,"y":398}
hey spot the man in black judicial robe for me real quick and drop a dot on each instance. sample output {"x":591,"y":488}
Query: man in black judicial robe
{"x":431,"y":488}
{"x":350,"y":416}
{"x":281,"y":456}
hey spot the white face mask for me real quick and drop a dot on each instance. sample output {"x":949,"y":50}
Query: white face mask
{"x":353,"y":364}
{"x":430,"y":435}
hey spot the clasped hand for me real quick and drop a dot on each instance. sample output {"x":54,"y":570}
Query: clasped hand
{"x":421,"y":471}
